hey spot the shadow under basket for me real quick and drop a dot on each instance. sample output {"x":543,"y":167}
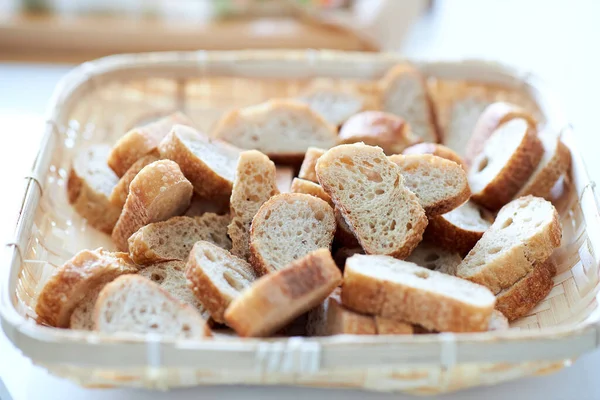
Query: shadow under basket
{"x":100,"y":100}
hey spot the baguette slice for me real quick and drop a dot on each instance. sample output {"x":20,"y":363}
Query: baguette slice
{"x":307,"y":169}
{"x":344,"y":236}
{"x":332,"y":318}
{"x":378,"y":128}
{"x":255,"y":182}
{"x":217,"y":277}
{"x":460,"y":229}
{"x":308,"y":187}
{"x":209,"y":164}
{"x":69,"y":284}
{"x":498,"y":322}
{"x":158,"y":192}
{"x":141,"y":141}
{"x":430,"y":256}
{"x":387,"y":287}
{"x":436,"y":149}
{"x":405,"y":94}
{"x":286,"y":228}
{"x":508,"y":159}
{"x":173,"y":239}
{"x":134,"y":304}
{"x":369,"y":192}
{"x":82,"y":317}
{"x":282,"y":129}
{"x":119,"y":193}
{"x":90,"y":184}
{"x":277,"y":298}
{"x":525,"y":232}
{"x":391,"y":326}
{"x":440,"y":185}
{"x":335,"y":104}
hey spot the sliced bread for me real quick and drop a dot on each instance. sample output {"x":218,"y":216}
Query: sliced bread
{"x":307,"y":169}
{"x":90,"y":184}
{"x":508,"y":159}
{"x":369,"y":192}
{"x":335,"y":104}
{"x":378,"y":128}
{"x":119,"y":193}
{"x":498,"y":322}
{"x":440,"y":185}
{"x":308,"y":187}
{"x":277,"y":298}
{"x":526,"y":232}
{"x":82,"y":317}
{"x":387,"y":287}
{"x":332,"y":318}
{"x":431,"y":256}
{"x":158,"y":192}
{"x":134,"y":304}
{"x":391,"y":326}
{"x":436,"y":149}
{"x":255,"y":182}
{"x":69,"y":284}
{"x":344,"y":236}
{"x":286,"y":228}
{"x":209,"y":164}
{"x":217,"y":277}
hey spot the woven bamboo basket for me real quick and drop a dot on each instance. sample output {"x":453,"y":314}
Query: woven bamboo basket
{"x":99,"y":100}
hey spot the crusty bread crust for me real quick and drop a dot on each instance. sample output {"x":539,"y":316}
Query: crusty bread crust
{"x":307,"y":169}
{"x":120,"y":192}
{"x":436,"y":149}
{"x":390,"y":326}
{"x":308,"y":187}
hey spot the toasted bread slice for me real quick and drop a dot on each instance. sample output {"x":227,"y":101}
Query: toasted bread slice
{"x":344,"y":236}
{"x":387,"y":287}
{"x":209,"y":164}
{"x":378,"y":128}
{"x":369,"y":192}
{"x":440,"y":185}
{"x":255,"y":182}
{"x":509,"y":157}
{"x":516,"y":301}
{"x":430,"y":256}
{"x":308,"y":187}
{"x":282,"y":129}
{"x":307,"y":169}
{"x":335,"y":104}
{"x":134,"y":304}
{"x":287,"y":227}
{"x":90,"y":184}
{"x":141,"y":141}
{"x":217,"y":277}
{"x":405,"y":94}
{"x":158,"y":192}
{"x":498,"y":322}
{"x":277,"y":298}
{"x":525,"y":232}
{"x":69,"y":284}
{"x":436,"y":149}
{"x":118,"y":196}
{"x":459,"y":229}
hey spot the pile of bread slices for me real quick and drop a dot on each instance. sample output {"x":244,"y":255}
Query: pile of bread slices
{"x":211,"y":235}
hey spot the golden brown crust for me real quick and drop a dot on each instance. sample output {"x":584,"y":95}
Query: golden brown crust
{"x":308,"y":187}
{"x":120,"y":192}
{"x":540,"y":184}
{"x":307,"y":169}
{"x":436,"y":149}
{"x":390,"y":326}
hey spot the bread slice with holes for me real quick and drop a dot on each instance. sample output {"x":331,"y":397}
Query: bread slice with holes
{"x":286,"y":228}
{"x":158,"y":192}
{"x":508,"y":159}
{"x":279,"y":297}
{"x":404,"y":93}
{"x":209,"y":164}
{"x":370,"y":193}
{"x":134,"y":304}
{"x":391,"y":288}
{"x":460,"y":229}
{"x":282,"y":129}
{"x":90,"y":184}
{"x":173,"y":239}
{"x":335,"y":104}
{"x":118,"y":196}
{"x":440,"y":185}
{"x":307,"y":169}
{"x":255,"y":182}
{"x":378,"y":128}
{"x":436,"y":149}
{"x":308,"y":187}
{"x":217,"y":277}
{"x":69,"y":284}
{"x":526,"y":232}
{"x":429,"y":255}
{"x":142,"y":140}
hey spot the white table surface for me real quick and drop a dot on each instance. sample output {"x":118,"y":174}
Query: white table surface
{"x":556,"y":39}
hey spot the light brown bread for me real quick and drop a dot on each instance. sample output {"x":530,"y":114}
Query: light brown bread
{"x":82,"y":317}
{"x":307,"y":169}
{"x":509,"y":157}
{"x":209,"y":164}
{"x":69,"y":284}
{"x":255,"y":182}
{"x":526,"y":232}
{"x":277,"y":298}
{"x":217,"y":277}
{"x":378,"y":128}
{"x":436,"y":149}
{"x":391,"y":326}
{"x":332,"y":318}
{"x":90,"y":184}
{"x":463,"y":110}
{"x":390,"y":288}
{"x":334,"y":104}
{"x":344,"y":236}
{"x":308,"y":187}
{"x":440,"y":185}
{"x":173,"y":239}
{"x":286,"y":228}
{"x":429,"y":255}
{"x":141,"y":141}
{"x":498,"y":322}
{"x":404,"y":93}
{"x":158,"y":192}
{"x":134,"y":304}
{"x":369,"y":192}
{"x":118,"y":196}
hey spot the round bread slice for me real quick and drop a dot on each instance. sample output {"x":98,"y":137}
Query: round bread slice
{"x":509,"y":157}
{"x":287,"y":227}
{"x":335,"y":104}
{"x":430,"y":256}
{"x":436,"y":149}
{"x":119,"y":193}
{"x":308,"y":187}
{"x":307,"y":169}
